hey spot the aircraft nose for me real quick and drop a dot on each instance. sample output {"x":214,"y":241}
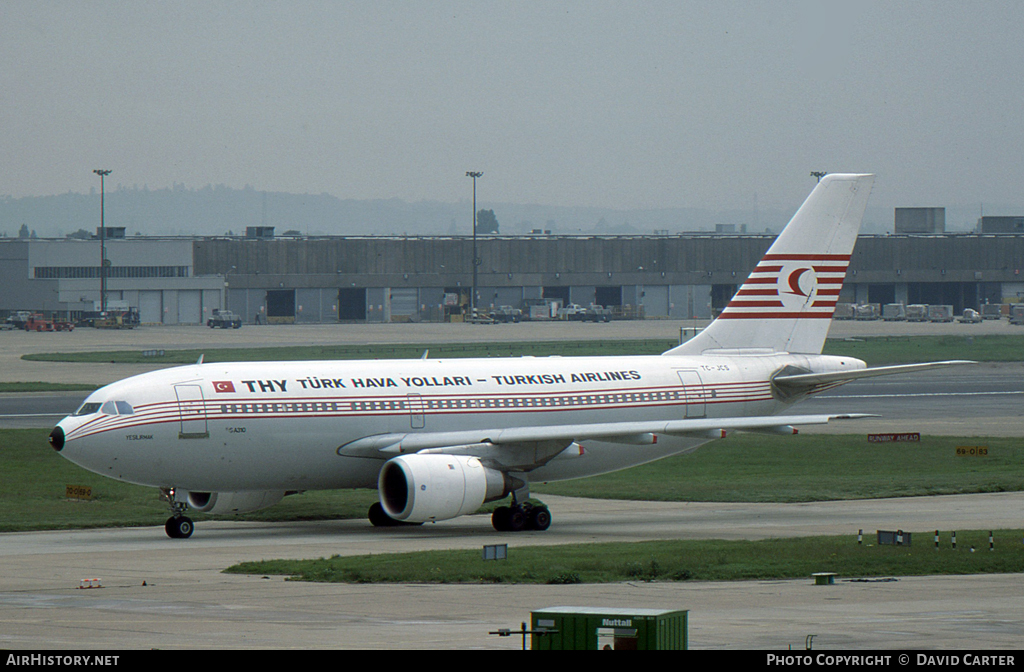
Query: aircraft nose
{"x":57,"y":438}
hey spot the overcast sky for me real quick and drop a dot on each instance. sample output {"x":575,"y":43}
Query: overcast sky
{"x":612,"y":104}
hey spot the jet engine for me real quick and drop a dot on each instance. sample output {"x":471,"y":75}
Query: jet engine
{"x":220,"y":503}
{"x":422,"y":488}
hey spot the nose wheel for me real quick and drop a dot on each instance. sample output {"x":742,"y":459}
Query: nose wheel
{"x":179,"y":527}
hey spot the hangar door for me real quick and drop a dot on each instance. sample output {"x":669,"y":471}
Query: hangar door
{"x":151,"y":307}
{"x":405,"y":304}
{"x":352,"y":304}
{"x":190,"y":306}
{"x":281,"y":304}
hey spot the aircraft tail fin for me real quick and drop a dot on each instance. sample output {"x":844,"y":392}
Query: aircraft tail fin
{"x":787,"y":302}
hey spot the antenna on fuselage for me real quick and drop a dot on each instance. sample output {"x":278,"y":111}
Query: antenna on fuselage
{"x":200,"y":360}
{"x":425,"y":353}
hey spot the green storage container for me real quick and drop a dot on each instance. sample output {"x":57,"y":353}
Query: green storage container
{"x":595,"y":628}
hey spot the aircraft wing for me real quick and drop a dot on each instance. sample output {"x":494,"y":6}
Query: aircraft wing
{"x":644,"y":432}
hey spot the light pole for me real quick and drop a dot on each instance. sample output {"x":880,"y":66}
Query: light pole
{"x":103,"y":243}
{"x":476,"y":262}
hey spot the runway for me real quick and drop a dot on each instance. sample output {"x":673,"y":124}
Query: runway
{"x":163,"y":593}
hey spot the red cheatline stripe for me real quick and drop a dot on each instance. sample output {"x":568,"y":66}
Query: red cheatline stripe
{"x":806,"y":257}
{"x":829,"y":269}
{"x":758,"y":292}
{"x":761,"y":281}
{"x":740,"y":315}
{"x":767,"y":269}
{"x":754,"y":304}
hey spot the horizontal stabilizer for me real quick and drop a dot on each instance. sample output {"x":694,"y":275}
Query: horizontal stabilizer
{"x":810,"y":379}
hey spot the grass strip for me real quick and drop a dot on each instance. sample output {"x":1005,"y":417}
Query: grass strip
{"x":21,"y":388}
{"x":741,"y":468}
{"x":698,"y":560}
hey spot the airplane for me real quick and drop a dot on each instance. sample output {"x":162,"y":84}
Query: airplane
{"x":440,"y":437}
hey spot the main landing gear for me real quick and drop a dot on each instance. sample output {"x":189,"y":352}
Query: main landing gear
{"x":521,"y":517}
{"x":178,"y":526}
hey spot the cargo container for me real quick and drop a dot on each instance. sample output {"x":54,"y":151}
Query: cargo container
{"x":844,"y":311}
{"x":894,"y":312}
{"x":992,"y":311}
{"x":917,"y":312}
{"x":1017,"y":313}
{"x":869,"y":311}
{"x":940,"y":313}
{"x":611,"y":629}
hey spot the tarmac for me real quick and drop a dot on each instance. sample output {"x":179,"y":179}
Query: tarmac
{"x":172,"y":594}
{"x":14,"y":344}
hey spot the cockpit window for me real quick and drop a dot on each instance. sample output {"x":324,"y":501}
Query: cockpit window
{"x":87,"y":409}
{"x":117,"y":408}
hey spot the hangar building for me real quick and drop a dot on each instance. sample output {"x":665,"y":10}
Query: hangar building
{"x":381,"y":278}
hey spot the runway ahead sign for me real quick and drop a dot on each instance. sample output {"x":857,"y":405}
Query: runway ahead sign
{"x":912,"y":437}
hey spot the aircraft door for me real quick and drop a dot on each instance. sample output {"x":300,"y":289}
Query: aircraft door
{"x":693,"y":391}
{"x":192,"y":411}
{"x":417,"y":419}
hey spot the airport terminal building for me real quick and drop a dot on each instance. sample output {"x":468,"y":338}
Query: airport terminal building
{"x":183,"y":280}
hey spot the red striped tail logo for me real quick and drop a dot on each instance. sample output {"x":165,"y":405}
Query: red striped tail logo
{"x":790,"y":286}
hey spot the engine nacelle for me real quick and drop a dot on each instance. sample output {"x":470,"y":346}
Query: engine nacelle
{"x":220,"y":503}
{"x":422,"y":488}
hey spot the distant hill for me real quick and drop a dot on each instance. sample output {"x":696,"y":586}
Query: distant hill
{"x":218,"y":210}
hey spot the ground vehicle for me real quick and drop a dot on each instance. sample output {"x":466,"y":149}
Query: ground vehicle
{"x":1017,"y":313}
{"x":36,"y":322}
{"x":17,"y":319}
{"x":597,"y":314}
{"x":506,"y":314}
{"x":112,"y":320}
{"x":970,"y":316}
{"x":573,"y":311}
{"x":224,"y":319}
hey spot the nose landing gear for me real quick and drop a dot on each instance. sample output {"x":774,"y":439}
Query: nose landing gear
{"x":178,"y":526}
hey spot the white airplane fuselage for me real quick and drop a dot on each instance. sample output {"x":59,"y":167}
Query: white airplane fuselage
{"x":282,"y":425}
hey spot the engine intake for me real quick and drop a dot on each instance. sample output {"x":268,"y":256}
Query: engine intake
{"x":422,"y":488}
{"x":220,"y":503}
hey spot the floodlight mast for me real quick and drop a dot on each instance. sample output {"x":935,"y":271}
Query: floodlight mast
{"x":103,"y":242}
{"x":476,"y":260}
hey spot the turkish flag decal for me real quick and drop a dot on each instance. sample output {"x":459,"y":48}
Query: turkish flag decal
{"x":223,"y":386}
